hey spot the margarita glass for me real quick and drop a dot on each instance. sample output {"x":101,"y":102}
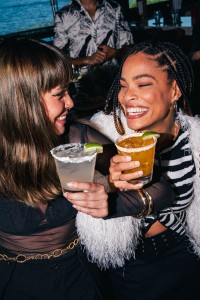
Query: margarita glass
{"x":73,"y":163}
{"x":139,"y":149}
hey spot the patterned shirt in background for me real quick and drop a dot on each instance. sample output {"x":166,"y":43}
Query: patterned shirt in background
{"x":79,"y":35}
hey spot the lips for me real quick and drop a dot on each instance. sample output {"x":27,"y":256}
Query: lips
{"x":61,"y":119}
{"x":135,"y":112}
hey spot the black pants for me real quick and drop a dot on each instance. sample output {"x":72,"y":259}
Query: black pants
{"x":69,"y":277}
{"x":164,"y":268}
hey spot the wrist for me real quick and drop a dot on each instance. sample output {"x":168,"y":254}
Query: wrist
{"x":147,"y":203}
{"x":115,"y":54}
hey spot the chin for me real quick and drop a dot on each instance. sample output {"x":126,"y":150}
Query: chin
{"x":60,"y":131}
{"x":133,"y":125}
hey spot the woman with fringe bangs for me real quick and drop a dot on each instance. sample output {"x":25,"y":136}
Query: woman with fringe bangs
{"x":39,"y":246}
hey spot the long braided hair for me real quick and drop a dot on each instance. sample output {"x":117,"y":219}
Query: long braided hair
{"x":178,"y":67}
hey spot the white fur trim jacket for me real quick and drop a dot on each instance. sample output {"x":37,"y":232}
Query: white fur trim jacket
{"x":109,"y":242}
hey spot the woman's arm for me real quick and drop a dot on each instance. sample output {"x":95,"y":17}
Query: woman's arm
{"x":135,"y":199}
{"x":129,"y":203}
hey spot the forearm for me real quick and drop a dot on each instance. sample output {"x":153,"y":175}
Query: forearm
{"x":130,"y":203}
{"x":79,"y":61}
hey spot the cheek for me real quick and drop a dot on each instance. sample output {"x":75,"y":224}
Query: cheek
{"x":50,"y":113}
{"x":121,"y":96}
{"x":53,"y":110}
{"x":157,"y":98}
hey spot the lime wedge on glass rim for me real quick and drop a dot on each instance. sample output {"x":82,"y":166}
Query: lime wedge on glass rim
{"x":93,"y":146}
{"x":149,"y":134}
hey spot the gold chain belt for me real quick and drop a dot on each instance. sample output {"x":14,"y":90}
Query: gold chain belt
{"x":22,"y":258}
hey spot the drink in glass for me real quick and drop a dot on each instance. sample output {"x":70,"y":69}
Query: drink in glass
{"x":142,"y":150}
{"x":73,"y":163}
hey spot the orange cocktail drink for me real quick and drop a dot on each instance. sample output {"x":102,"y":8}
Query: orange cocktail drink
{"x":142,"y":150}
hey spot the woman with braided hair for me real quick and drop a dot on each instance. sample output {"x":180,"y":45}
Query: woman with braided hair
{"x":152,"y":93}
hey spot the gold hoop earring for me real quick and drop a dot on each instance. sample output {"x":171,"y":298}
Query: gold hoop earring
{"x":175,"y":108}
{"x":117,"y":121}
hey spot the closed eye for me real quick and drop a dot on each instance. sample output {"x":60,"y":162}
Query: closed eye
{"x":144,"y":84}
{"x":122,"y":84}
{"x":61,"y":94}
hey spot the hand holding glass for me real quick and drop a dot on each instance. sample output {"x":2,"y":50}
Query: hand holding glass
{"x":74,"y":164}
{"x":142,"y":150}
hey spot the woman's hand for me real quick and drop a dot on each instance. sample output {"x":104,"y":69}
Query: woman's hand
{"x":121,"y":163}
{"x":93,"y":200}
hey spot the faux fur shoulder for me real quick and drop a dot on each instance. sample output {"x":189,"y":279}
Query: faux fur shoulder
{"x":105,"y":124}
{"x":193,"y":212}
{"x":108,"y":242}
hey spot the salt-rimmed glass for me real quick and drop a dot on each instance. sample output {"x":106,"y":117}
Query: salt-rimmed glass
{"x":74,"y":164}
{"x":142,"y":150}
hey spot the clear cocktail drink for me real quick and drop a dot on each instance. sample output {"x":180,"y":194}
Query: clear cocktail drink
{"x":142,"y":150}
{"x":74,"y":164}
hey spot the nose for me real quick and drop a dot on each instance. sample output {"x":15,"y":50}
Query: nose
{"x":129,"y":95}
{"x":68,"y":101}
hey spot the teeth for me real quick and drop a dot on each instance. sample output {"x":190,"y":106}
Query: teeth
{"x":61,"y":118}
{"x":136,"y":110}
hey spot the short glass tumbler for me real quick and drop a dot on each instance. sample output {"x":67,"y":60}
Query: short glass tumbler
{"x":74,"y":164}
{"x":142,"y":150}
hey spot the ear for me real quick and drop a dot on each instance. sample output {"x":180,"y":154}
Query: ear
{"x":176,"y":93}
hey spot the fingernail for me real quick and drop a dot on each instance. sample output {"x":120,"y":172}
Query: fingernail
{"x":137,"y":163}
{"x":140,"y":173}
{"x":140,"y":185}
{"x":70,"y":184}
{"x":128,"y":158}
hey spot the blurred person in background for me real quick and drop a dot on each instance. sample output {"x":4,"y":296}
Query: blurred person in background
{"x":92,"y":32}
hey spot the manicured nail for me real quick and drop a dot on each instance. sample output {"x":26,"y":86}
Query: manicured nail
{"x":137,"y":163}
{"x":128,"y":158}
{"x":139,"y":185}
{"x":70,"y":184}
{"x":140,"y":173}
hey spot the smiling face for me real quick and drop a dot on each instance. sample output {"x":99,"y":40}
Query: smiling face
{"x":147,"y":95}
{"x":57,"y":104}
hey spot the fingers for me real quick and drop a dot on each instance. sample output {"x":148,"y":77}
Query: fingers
{"x":125,"y":186}
{"x":118,"y":176}
{"x":92,"y":200}
{"x":110,"y":52}
{"x":98,"y":57}
{"x":85,"y":186}
{"x":119,"y":164}
{"x":130,"y":176}
{"x":120,"y":158}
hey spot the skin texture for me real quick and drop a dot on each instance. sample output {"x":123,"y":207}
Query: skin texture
{"x":58,"y":103}
{"x":94,"y":201}
{"x":147,"y":97}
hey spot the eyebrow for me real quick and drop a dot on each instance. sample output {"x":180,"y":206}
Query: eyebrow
{"x":139,"y":76}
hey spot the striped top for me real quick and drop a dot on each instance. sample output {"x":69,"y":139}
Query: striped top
{"x":177,"y":166}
